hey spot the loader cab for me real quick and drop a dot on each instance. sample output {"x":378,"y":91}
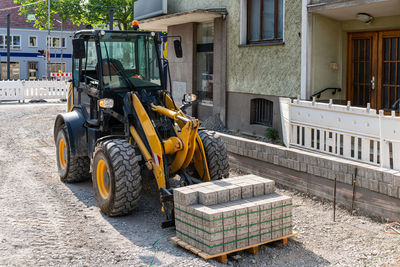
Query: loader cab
{"x":117,"y":61}
{"x":108,"y":64}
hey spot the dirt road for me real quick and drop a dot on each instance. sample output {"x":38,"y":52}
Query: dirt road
{"x":46,"y":222}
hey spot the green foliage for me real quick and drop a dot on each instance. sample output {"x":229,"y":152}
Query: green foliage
{"x":93,"y":12}
{"x":271,"y":133}
{"x":98,"y":14}
{"x":62,"y":10}
{"x":237,"y":131}
{"x":254,"y":133}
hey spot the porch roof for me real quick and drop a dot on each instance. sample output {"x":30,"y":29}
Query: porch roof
{"x":161,"y":23}
{"x":348,"y":9}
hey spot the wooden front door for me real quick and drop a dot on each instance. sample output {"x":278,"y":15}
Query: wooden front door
{"x":362,"y":68}
{"x":389,"y":70}
{"x":373,"y":71}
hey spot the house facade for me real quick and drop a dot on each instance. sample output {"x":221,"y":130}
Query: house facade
{"x":26,"y":41}
{"x":239,"y":56}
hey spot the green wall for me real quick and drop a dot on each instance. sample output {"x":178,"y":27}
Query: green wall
{"x":267,"y":70}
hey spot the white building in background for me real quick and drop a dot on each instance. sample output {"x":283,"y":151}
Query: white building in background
{"x":26,"y":41}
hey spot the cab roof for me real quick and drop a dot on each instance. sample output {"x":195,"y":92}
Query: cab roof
{"x":96,"y":33}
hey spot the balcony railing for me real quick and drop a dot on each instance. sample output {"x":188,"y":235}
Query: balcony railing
{"x":359,"y":134}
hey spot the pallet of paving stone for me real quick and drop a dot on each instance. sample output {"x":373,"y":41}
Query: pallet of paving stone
{"x":223,"y":256}
{"x":231,"y":214}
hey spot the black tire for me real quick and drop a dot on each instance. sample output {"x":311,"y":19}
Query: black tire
{"x":71,"y":169}
{"x":117,"y":186}
{"x":217,"y":156}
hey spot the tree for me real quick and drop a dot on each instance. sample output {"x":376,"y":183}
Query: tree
{"x":64,"y":10}
{"x":98,"y":12}
{"x":93,"y":12}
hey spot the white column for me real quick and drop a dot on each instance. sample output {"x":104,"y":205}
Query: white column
{"x":306,"y":41}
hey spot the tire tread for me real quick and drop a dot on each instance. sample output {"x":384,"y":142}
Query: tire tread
{"x":216,"y":153}
{"x":126,"y":174}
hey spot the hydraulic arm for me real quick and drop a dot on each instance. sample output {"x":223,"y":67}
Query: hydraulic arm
{"x":183,"y":145}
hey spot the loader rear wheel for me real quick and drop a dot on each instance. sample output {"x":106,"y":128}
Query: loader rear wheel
{"x":217,"y":156}
{"x":71,"y":169}
{"x":116,"y":177}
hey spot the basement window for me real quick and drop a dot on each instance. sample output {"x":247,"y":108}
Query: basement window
{"x":261,"y":112}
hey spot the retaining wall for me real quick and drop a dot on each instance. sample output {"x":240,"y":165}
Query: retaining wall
{"x":377,"y":189}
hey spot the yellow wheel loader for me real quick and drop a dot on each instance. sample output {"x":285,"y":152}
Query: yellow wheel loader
{"x":123,"y":125}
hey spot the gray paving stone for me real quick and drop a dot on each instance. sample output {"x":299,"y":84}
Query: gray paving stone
{"x":207,"y":196}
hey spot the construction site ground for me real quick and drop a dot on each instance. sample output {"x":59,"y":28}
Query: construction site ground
{"x":46,"y":222}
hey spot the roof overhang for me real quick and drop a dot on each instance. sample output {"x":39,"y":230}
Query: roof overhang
{"x":348,"y":9}
{"x":161,"y":23}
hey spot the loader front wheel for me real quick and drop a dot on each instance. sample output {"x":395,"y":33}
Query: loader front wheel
{"x":71,"y":169}
{"x":116,"y":177}
{"x":216,"y":154}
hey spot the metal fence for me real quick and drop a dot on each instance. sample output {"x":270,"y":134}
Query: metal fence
{"x":354,"y":133}
{"x":18,"y":90}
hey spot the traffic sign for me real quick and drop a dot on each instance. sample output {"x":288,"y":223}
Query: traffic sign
{"x":31,"y":17}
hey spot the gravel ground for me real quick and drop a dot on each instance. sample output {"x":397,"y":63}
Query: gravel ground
{"x":46,"y":222}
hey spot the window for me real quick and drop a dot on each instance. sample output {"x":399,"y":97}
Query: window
{"x":16,"y":41}
{"x":205,"y":60}
{"x":261,"y":111}
{"x":129,"y":60}
{"x":56,"y":42}
{"x":14,"y":44}
{"x":14,"y":70}
{"x":264,"y":21}
{"x":33,"y":69}
{"x":56,"y":67}
{"x":32,"y":41}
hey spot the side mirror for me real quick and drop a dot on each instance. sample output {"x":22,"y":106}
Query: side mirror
{"x":78,"y":46}
{"x":178,"y":48}
{"x":189,"y":98}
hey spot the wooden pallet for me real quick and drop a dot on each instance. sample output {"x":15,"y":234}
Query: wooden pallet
{"x":223,"y":256}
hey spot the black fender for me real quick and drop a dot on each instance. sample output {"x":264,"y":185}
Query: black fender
{"x":77,"y":133}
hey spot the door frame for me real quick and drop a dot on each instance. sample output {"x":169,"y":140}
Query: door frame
{"x":374,"y":62}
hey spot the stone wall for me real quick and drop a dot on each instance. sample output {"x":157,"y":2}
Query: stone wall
{"x":379,"y":189}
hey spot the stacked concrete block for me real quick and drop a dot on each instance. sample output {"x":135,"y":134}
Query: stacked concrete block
{"x":232,"y":213}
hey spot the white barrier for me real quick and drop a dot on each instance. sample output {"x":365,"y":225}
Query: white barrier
{"x":353,"y":133}
{"x":11,"y":90}
{"x":33,"y":90}
{"x":45,"y":90}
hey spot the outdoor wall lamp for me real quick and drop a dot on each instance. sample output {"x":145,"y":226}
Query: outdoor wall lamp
{"x":365,"y":17}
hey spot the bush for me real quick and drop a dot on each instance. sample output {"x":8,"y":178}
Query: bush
{"x":271,"y":133}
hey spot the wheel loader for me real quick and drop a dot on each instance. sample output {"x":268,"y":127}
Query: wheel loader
{"x":122,"y":124}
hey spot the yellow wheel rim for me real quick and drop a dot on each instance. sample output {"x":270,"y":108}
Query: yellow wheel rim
{"x":103,"y":179}
{"x":62,"y":156}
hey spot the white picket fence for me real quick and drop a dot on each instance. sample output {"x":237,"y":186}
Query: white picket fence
{"x":32,"y":90}
{"x":353,"y":133}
